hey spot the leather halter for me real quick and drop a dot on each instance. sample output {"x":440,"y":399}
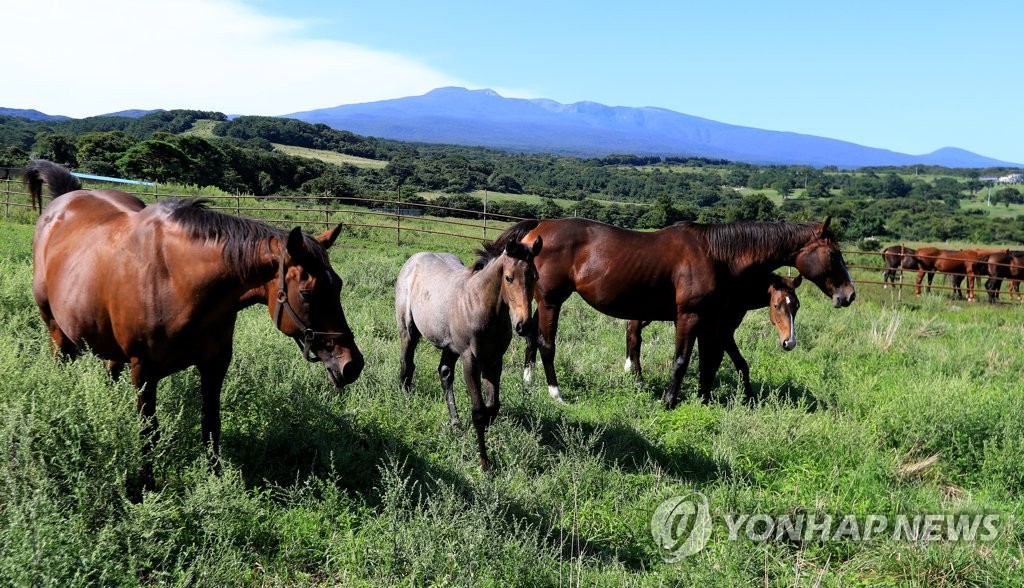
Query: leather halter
{"x":308,"y":334}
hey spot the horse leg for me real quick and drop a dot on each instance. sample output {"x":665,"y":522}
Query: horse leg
{"x":446,"y":369}
{"x":410,"y":337}
{"x":917,"y":284}
{"x":211,"y":377}
{"x":530,"y":354}
{"x":634,"y":339}
{"x":710,"y":358}
{"x":957,"y":290}
{"x":492,"y":399}
{"x":741,"y":365}
{"x":686,"y":334}
{"x":547,"y":324}
{"x":471,"y":373}
{"x":114,"y":368}
{"x":931,"y":276}
{"x":63,"y":347}
{"x":150,"y":433}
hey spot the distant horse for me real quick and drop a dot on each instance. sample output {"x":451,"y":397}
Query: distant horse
{"x":957,"y":264}
{"x":896,"y":257}
{"x":776,"y":292}
{"x":465,"y":313}
{"x":686,"y":273}
{"x":996,"y":266}
{"x":1016,"y":274}
{"x":158,"y":288}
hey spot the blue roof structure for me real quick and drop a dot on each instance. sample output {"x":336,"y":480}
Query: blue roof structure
{"x":108,"y":179}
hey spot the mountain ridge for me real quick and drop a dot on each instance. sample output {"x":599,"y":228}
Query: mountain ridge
{"x":485,"y":118}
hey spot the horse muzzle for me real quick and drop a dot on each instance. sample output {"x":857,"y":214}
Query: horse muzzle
{"x":788,"y":344}
{"x":342,"y":373}
{"x":843,"y":299}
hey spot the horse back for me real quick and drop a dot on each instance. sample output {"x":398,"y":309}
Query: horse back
{"x":623,"y":273}
{"x":428,"y":285}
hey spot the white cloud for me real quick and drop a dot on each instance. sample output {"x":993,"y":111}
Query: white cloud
{"x":86,"y":58}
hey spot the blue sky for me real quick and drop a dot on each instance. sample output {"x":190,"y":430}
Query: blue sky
{"x":909,"y":76}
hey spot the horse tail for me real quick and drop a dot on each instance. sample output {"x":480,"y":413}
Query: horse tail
{"x":56,"y":177}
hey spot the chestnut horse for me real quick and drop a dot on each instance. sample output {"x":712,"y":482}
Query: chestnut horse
{"x":465,"y":313}
{"x":996,"y":266}
{"x":686,"y":273}
{"x":1016,"y":274}
{"x":957,"y":264}
{"x":158,"y":288}
{"x":715,"y":337}
{"x":896,"y":257}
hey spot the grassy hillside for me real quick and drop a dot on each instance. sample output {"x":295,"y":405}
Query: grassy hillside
{"x":882,"y":408}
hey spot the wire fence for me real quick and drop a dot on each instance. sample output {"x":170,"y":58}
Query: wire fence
{"x":384,"y":217}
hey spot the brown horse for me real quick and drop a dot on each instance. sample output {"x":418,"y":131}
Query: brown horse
{"x":718,"y":336}
{"x":465,"y":313}
{"x":996,"y":266}
{"x":684,"y":273}
{"x":896,"y":257}
{"x":1016,"y":274}
{"x":158,"y":288}
{"x":957,"y":264}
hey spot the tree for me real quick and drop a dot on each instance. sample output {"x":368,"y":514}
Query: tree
{"x":98,"y":152}
{"x":60,"y":149}
{"x":159,"y":161}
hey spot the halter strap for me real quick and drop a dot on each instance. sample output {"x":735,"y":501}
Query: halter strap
{"x":282,"y":304}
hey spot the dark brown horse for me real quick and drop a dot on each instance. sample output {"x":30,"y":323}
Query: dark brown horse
{"x":685,"y":273}
{"x":157,"y":289}
{"x":717,"y":336}
{"x":896,"y":257}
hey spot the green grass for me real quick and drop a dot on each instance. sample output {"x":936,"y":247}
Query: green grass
{"x":370,"y":486}
{"x":330,"y":156}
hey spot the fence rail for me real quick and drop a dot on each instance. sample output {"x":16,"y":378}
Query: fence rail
{"x":318,"y":211}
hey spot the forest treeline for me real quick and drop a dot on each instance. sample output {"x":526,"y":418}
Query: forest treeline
{"x":922,"y":203}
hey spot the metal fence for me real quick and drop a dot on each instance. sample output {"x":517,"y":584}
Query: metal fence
{"x":386,"y":216}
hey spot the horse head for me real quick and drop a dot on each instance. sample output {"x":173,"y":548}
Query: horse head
{"x":821,"y":262}
{"x":307,"y":305}
{"x":782,"y":308}
{"x":519,"y":275}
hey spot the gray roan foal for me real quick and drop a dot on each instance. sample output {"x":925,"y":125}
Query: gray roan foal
{"x":465,"y":312}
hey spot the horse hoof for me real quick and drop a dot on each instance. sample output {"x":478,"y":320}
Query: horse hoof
{"x":456,"y":425}
{"x":528,"y":375}
{"x":485,"y":465}
{"x":556,"y":394}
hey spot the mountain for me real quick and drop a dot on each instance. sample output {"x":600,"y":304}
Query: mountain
{"x":485,"y":118}
{"x":133,"y":113}
{"x":30,"y":114}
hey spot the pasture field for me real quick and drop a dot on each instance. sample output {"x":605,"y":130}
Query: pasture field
{"x":883,"y":409}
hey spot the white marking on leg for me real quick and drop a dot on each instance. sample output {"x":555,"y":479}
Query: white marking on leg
{"x":528,"y":374}
{"x":554,"y":393}
{"x":629,"y":364}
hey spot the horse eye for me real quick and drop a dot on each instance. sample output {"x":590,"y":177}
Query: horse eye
{"x":777,"y":306}
{"x":508,"y":279}
{"x":306,"y":295}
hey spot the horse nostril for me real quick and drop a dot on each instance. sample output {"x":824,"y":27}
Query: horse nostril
{"x":351,"y":370}
{"x":519,"y":328}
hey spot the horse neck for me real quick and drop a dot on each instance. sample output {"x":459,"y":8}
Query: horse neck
{"x":483,"y":290}
{"x":755,"y":251}
{"x":259,"y":279}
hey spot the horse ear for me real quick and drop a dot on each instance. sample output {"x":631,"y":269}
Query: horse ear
{"x":328,"y":237}
{"x":536,"y":246}
{"x":296,"y":246}
{"x":824,"y":225}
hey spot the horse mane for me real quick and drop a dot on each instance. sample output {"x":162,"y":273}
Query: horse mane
{"x":491,"y":250}
{"x":56,"y":177}
{"x":729,"y":241}
{"x":511,"y":237}
{"x":242,"y":238}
